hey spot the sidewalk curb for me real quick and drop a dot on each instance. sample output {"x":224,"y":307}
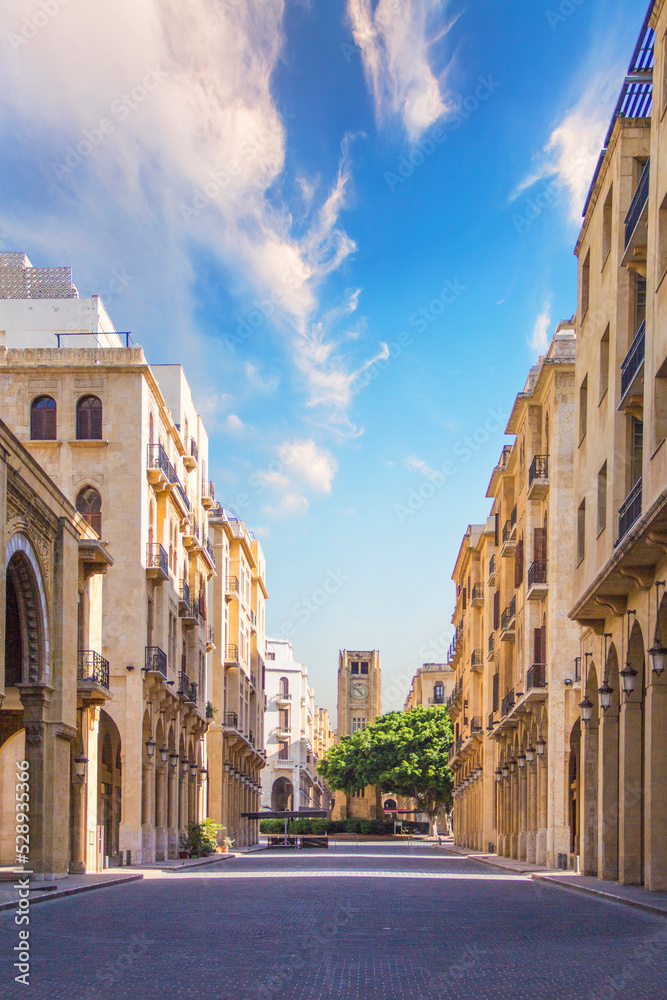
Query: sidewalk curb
{"x":610,"y":897}
{"x":61,"y":893}
{"x":493,"y":864}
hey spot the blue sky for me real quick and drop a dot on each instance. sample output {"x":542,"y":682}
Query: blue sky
{"x":352,"y":222}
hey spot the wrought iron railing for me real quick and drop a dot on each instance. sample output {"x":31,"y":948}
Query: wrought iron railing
{"x":492,"y":566}
{"x":492,"y":642}
{"x":157,"y":557}
{"x":210,"y":635}
{"x":231,"y":653}
{"x":634,"y":359}
{"x":157,"y":459}
{"x":508,"y":615}
{"x":639,"y":199}
{"x":156,"y":660}
{"x":208,"y":489}
{"x":539,"y":469}
{"x":476,"y":724}
{"x":478,"y":592}
{"x":630,"y":510}
{"x":92,"y":667}
{"x":507,"y":703}
{"x":194,"y":450}
{"x":183,"y":682}
{"x":536,"y":676}
{"x":492,"y":721}
{"x":184,"y":593}
{"x":537,"y":572}
{"x":209,"y":548}
{"x":232,"y":585}
{"x":477,"y":658}
{"x":230,"y":719}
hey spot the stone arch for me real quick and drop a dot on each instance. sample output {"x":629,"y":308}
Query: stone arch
{"x":109,"y":783}
{"x":282,"y":795}
{"x":25,"y":577}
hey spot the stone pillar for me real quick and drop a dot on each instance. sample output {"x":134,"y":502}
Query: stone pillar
{"x":523,"y":812}
{"x":630,"y":825}
{"x":588,"y":787}
{"x":608,"y":795}
{"x":77,"y":864}
{"x":542,"y":765}
{"x":172,"y":812}
{"x":514,"y":849}
{"x":182,"y":803}
{"x":655,"y":751}
{"x":148,"y":811}
{"x":531,"y":841}
{"x":161,"y":849}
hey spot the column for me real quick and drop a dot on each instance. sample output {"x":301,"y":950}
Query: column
{"x":77,"y":865}
{"x":531,"y":841}
{"x":148,"y":811}
{"x":588,"y":787}
{"x":608,"y":794}
{"x":630,"y":826}
{"x":523,"y":812}
{"x":161,"y":812}
{"x":655,"y":755}
{"x":542,"y":764}
{"x":172,"y":812}
{"x":514,"y":779}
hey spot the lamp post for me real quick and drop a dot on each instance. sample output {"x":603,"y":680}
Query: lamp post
{"x":530,"y":753}
{"x":658,"y":652}
{"x":586,"y":707}
{"x":164,"y":754}
{"x":150,"y":747}
{"x":628,"y":673}
{"x":606,"y":693}
{"x":173,"y":758}
{"x":498,"y":774}
{"x":185,"y":764}
{"x":540,"y":746}
{"x":521,"y":759}
{"x":80,"y":763}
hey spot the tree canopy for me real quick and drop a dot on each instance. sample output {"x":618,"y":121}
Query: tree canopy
{"x":402,"y":752}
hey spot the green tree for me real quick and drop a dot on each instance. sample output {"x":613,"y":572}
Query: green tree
{"x":403,"y":752}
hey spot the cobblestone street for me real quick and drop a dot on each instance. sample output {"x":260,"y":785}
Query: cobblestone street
{"x":373,"y":922}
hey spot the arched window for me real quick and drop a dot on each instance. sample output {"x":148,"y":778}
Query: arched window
{"x":438,"y":692}
{"x":89,"y":505}
{"x":284,"y":685}
{"x":89,"y":419}
{"x":43,"y":419}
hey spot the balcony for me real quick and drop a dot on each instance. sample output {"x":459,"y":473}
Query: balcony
{"x":190,"y":693}
{"x":92,"y":668}
{"x":508,"y":703}
{"x":183,"y":682}
{"x":230,"y":720}
{"x":183,"y":598}
{"x":232,"y":655}
{"x":537,"y":581}
{"x":491,"y":722}
{"x":508,"y":545}
{"x":476,"y":726}
{"x":477,"y":660}
{"x":157,"y":562}
{"x":636,"y":221}
{"x":190,"y":617}
{"x":477,"y":599}
{"x":630,"y":510}
{"x":283,"y":698}
{"x":632,"y":371}
{"x":508,"y":622}
{"x":210,"y":638}
{"x":231,"y":588}
{"x":491,"y":655}
{"x":284,"y":762}
{"x":207,"y":494}
{"x":191,"y":460}
{"x":538,"y":478}
{"x":162,"y":475}
{"x":156,"y":661}
{"x":492,"y":571}
{"x":253,"y":621}
{"x":207,"y":550}
{"x":536,"y":677}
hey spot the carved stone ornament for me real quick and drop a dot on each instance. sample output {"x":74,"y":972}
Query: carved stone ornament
{"x":34,"y":733}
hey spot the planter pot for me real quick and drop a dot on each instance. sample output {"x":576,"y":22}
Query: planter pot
{"x":184,"y":854}
{"x":223,"y":850}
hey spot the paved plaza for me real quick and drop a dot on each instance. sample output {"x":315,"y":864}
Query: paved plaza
{"x":380,"y":921}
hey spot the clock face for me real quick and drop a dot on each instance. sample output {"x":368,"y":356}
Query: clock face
{"x":359,"y":690}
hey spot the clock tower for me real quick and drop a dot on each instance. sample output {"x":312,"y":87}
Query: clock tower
{"x":359,"y":692}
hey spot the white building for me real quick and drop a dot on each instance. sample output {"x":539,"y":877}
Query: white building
{"x":289,"y":780}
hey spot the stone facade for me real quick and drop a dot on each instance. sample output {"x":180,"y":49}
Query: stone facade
{"x":620,"y":483}
{"x":431,"y":685}
{"x":53,"y":696}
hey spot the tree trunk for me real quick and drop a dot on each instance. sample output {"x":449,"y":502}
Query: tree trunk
{"x":433,"y":824}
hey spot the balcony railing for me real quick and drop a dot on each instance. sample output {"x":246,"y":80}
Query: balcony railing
{"x":157,"y":558}
{"x":183,"y":682}
{"x":476,"y":724}
{"x":191,"y":692}
{"x":634,"y":359}
{"x":478,"y":592}
{"x":492,"y":643}
{"x":492,"y":721}
{"x":210,"y":635}
{"x":536,"y":676}
{"x":232,"y":585}
{"x":184,"y":593}
{"x":537,"y":573}
{"x":157,"y":459}
{"x":492,"y":566}
{"x":182,"y":494}
{"x":231,"y":654}
{"x":507,"y":530}
{"x":507,"y":703}
{"x":208,"y":489}
{"x":194,"y":450}
{"x":508,"y":615}
{"x":230,"y":719}
{"x":630,"y":510}
{"x":253,"y":618}
{"x":539,"y":469}
{"x":156,"y":660}
{"x":477,"y":658}
{"x":92,"y":667}
{"x":637,"y":205}
{"x":209,"y":548}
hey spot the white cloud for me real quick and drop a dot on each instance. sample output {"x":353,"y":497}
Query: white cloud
{"x":539,"y":338}
{"x":413,"y":462}
{"x":290,"y":505}
{"x":571,"y":154}
{"x":193,"y":151}
{"x":234,"y":424}
{"x":314,"y":466}
{"x":396,"y":38}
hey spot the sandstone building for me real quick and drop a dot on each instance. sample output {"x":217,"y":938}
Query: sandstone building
{"x":359,"y":705}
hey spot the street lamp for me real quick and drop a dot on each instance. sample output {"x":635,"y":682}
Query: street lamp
{"x":586,"y":707}
{"x":173,"y":758}
{"x":193,"y":769}
{"x":498,"y":774}
{"x":530,"y":753}
{"x":606,"y":693}
{"x":150,"y":746}
{"x":80,"y":762}
{"x":658,"y":652}
{"x":521,"y":759}
{"x":540,"y":746}
{"x":628,"y":675}
{"x":478,"y":771}
{"x":185,"y":764}
{"x":505,"y":771}
{"x":164,"y":754}
{"x":228,"y":767}
{"x":512,"y":764}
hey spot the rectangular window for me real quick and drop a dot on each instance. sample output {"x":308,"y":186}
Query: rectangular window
{"x":496,"y":609}
{"x":581,"y":531}
{"x":585,"y":284}
{"x":602,"y":498}
{"x":518,"y":564}
{"x":607,"y":222}
{"x":283,"y":750}
{"x":583,"y":409}
{"x":604,"y":363}
{"x":496,"y":692}
{"x":149,"y":622}
{"x":636,"y":451}
{"x":354,"y":667}
{"x":660,"y":405}
{"x":540,"y":545}
{"x":283,"y":719}
{"x":364,"y":668}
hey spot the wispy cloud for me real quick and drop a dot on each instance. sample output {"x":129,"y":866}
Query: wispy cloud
{"x":574,"y":145}
{"x":396,"y":39}
{"x":414,"y":463}
{"x":193,"y":149}
{"x":538,"y":340}
{"x":301,"y":467}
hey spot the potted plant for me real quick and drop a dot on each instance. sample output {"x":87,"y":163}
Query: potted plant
{"x":224,"y":843}
{"x":184,"y":846}
{"x":211,"y":710}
